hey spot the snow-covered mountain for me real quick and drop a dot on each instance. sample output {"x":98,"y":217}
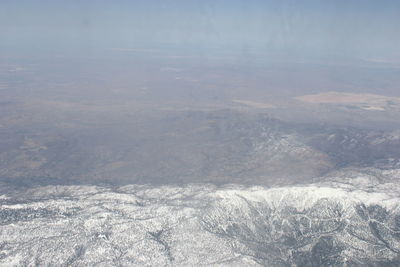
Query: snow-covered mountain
{"x":195,"y":188}
{"x":352,"y":218}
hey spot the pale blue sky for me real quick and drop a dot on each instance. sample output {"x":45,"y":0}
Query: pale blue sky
{"x":360,"y":28}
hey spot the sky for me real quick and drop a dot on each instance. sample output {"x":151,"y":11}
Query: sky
{"x":332,"y":28}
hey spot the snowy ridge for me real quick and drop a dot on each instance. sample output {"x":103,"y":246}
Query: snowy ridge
{"x":304,"y":197}
{"x":198,"y":225}
{"x":201,"y":225}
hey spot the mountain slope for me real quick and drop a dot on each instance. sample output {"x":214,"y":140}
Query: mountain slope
{"x":321,"y":224}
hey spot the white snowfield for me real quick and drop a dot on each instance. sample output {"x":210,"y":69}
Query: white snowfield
{"x":328,"y":223}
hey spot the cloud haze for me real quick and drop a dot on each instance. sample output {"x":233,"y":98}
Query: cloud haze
{"x":366,"y":29}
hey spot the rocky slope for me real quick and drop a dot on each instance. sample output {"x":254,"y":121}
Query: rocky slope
{"x":184,"y":147}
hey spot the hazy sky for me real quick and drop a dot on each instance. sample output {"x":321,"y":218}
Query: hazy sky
{"x":361,"y":28}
